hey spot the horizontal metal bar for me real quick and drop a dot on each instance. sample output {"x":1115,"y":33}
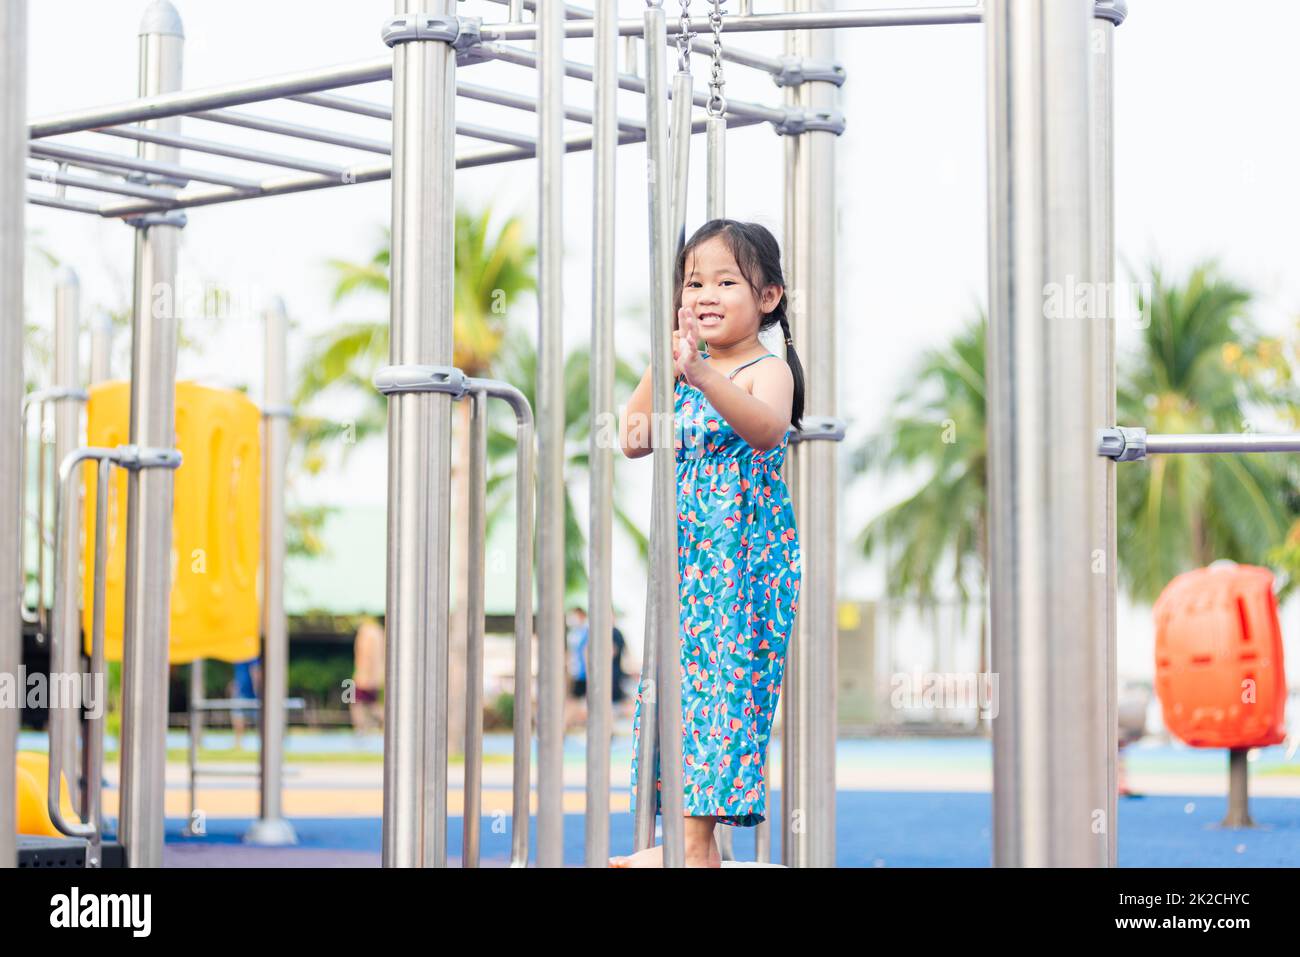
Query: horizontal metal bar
{"x":181,"y":141}
{"x":72,"y":205}
{"x":142,"y":179}
{"x":1128,"y":444}
{"x":477,"y":132}
{"x":275,"y":186}
{"x":279,"y":186}
{"x":628,"y":81}
{"x":470,"y":91}
{"x":48,"y":150}
{"x":214,"y":97}
{"x":295,"y":129}
{"x":743,"y":57}
{"x":827,"y":20}
{"x":487,"y":94}
{"x":345,"y":103}
{"x":101,"y":183}
{"x":579,"y":142}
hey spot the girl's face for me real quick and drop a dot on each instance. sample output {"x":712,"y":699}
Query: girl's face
{"x":719,"y":295}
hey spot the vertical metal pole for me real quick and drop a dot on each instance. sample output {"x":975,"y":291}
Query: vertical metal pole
{"x":680,"y":143}
{"x":195,"y":737}
{"x":13,"y":165}
{"x":101,"y":348}
{"x":419,"y":450}
{"x":95,"y":726}
{"x":149,"y":491}
{"x":1049,"y":635}
{"x":716,"y":137}
{"x":271,"y":827}
{"x":1107,"y":15}
{"x":550,"y":434}
{"x":600,"y":637}
{"x":525,"y":492}
{"x":808,"y":742}
{"x":67,"y":436}
{"x":474,"y":569}
{"x":667,"y":687}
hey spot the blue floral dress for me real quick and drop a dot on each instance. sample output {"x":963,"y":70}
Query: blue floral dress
{"x":739,"y":570}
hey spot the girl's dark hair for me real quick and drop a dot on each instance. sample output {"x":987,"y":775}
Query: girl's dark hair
{"x":759,"y":258}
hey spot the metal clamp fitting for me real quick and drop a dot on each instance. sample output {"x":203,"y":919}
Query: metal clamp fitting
{"x":420,"y":26}
{"x":273,"y":411}
{"x":799,"y":120}
{"x":823,"y":427}
{"x":396,"y":380}
{"x":1113,"y":10}
{"x":155,"y":179}
{"x":171,"y":217}
{"x":797,"y":69}
{"x":136,"y":457}
{"x":1122,"y":444}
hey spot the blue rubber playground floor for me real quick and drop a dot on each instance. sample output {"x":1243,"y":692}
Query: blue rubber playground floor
{"x":875,"y":828}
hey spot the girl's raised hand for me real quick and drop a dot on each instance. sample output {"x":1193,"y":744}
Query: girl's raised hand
{"x":688,"y":360}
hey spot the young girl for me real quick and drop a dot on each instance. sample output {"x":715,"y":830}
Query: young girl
{"x":738,"y":557}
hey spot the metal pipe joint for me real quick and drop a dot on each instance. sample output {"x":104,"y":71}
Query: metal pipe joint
{"x":799,"y":69}
{"x":395,"y":380}
{"x":463,"y":33}
{"x":823,"y":427}
{"x":800,"y":120}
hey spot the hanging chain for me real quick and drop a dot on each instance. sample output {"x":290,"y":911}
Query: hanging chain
{"x":684,"y":37}
{"x":717,"y":105}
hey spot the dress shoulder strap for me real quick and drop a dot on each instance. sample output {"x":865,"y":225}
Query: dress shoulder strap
{"x":746,"y":365}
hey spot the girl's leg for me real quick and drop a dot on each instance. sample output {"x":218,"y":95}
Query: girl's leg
{"x":701,"y":849}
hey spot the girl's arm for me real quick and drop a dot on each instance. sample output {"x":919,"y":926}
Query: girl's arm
{"x":757,"y":417}
{"x":635,"y":436}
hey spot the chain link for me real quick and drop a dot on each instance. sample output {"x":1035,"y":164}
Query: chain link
{"x":684,"y":37}
{"x":717,"y":104}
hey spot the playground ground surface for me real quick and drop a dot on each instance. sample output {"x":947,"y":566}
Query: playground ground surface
{"x":901,"y":802}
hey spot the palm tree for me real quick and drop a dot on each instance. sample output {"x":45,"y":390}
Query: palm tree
{"x":518,"y":366}
{"x":937,"y":426}
{"x":487,"y":279}
{"x":1202,"y":368}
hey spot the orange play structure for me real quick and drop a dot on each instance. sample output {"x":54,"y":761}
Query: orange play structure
{"x":1219,"y":668}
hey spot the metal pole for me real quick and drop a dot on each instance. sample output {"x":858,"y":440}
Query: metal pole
{"x":474,"y":600}
{"x":717,"y":177}
{"x":808,"y":742}
{"x":680,"y":145}
{"x":166,"y":103}
{"x":67,"y":436}
{"x":419,"y":444}
{"x":1106,"y":16}
{"x":600,"y":620}
{"x":149,"y":491}
{"x":550,"y":434}
{"x":272,"y":827}
{"x":101,"y":347}
{"x":830,"y":20}
{"x":195,"y":741}
{"x":666,"y":687}
{"x":13,"y":161}
{"x":1050,"y":741}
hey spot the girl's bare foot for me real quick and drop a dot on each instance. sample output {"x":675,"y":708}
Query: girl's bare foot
{"x":649,"y":857}
{"x":654,"y":857}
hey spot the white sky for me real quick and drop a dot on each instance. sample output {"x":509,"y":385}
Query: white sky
{"x":1206,"y":149}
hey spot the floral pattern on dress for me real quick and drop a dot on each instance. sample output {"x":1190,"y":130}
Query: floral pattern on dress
{"x":738,"y":572}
